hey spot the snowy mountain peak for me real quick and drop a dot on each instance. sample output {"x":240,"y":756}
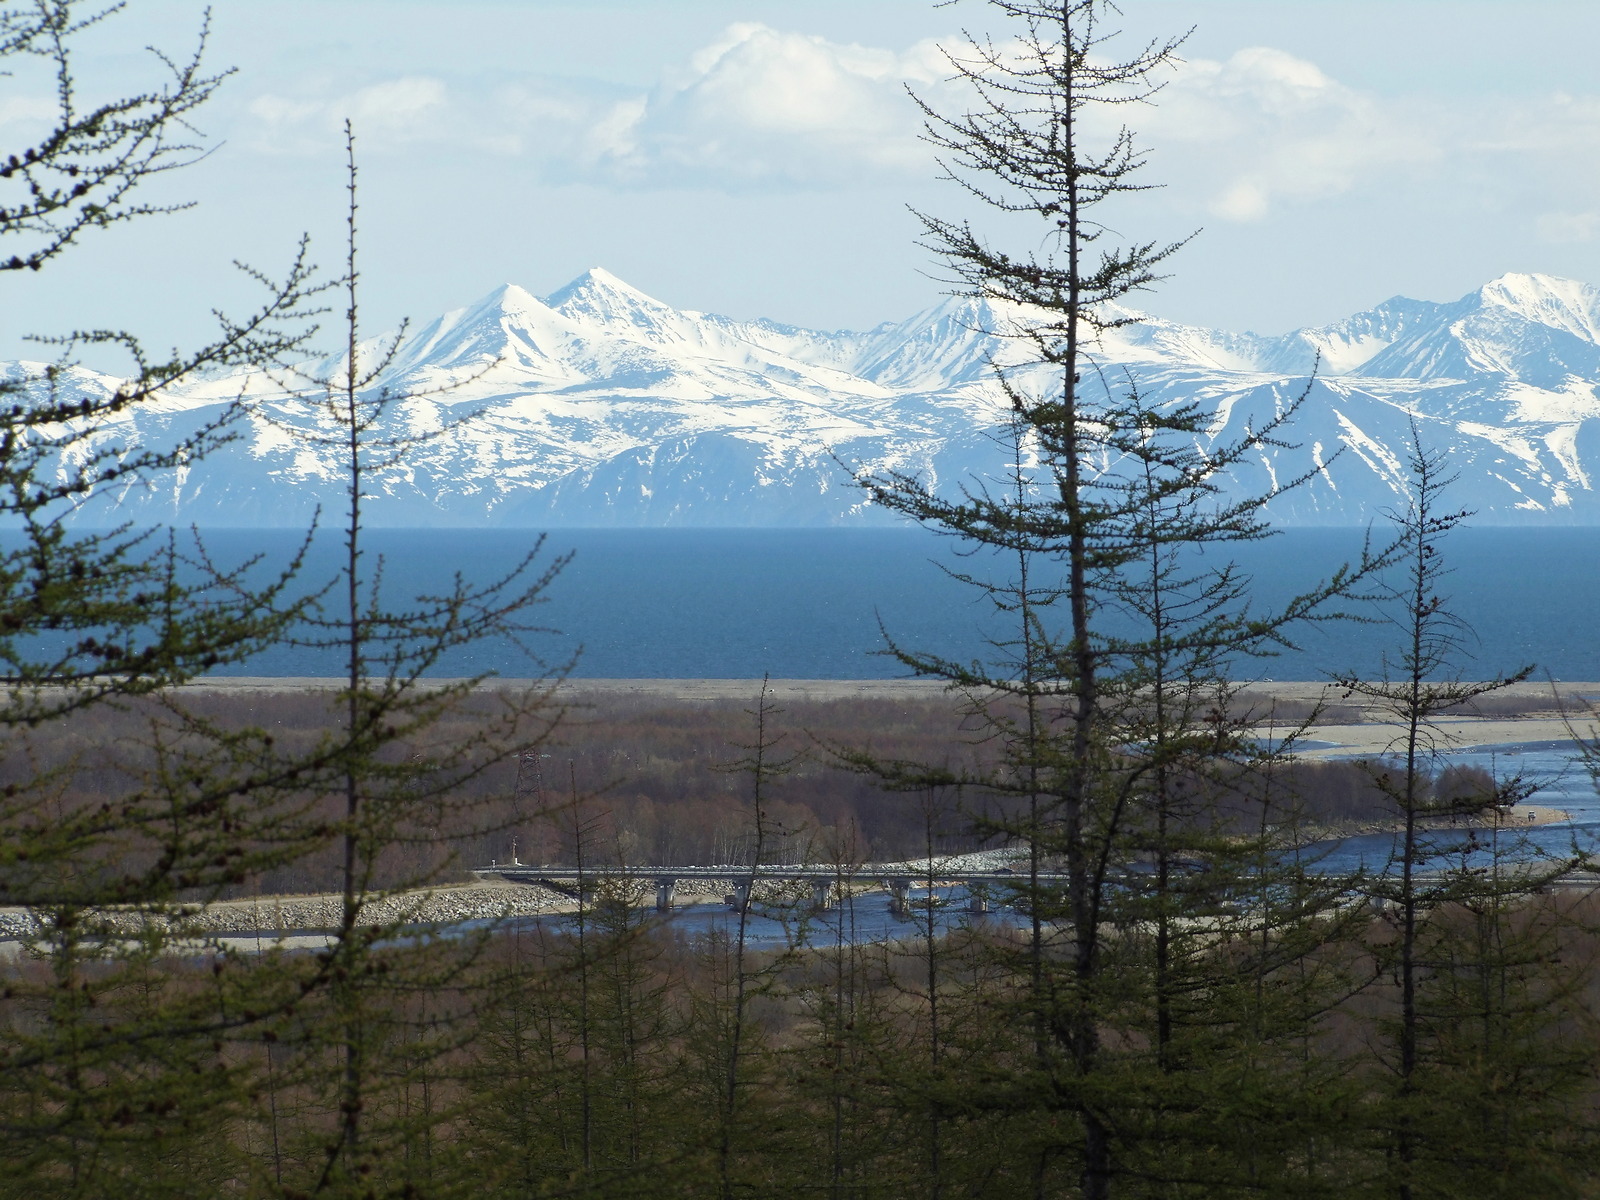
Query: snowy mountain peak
{"x":1563,"y":304}
{"x":493,"y":316}
{"x":511,"y":298}
{"x":509,"y":325}
{"x":598,"y":295}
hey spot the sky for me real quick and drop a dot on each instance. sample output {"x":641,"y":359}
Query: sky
{"x":761,"y":158}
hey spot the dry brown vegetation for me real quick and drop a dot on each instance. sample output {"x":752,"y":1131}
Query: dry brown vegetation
{"x":561,"y":1064}
{"x":653,"y":774}
{"x":1336,"y":709}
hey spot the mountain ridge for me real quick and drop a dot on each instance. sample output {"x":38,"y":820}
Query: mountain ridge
{"x":600,"y":405}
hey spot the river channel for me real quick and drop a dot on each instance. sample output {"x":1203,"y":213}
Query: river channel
{"x":1561,"y":779}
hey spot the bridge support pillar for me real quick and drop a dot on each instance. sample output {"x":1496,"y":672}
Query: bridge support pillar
{"x":739,"y":899}
{"x":821,"y":890}
{"x":899,"y":895}
{"x":977,"y":899}
{"x":666,"y":890}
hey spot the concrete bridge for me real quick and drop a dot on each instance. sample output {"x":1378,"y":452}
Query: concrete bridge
{"x":892,"y":878}
{"x":823,"y":881}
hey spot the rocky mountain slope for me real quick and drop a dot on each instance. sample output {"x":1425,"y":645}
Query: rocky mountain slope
{"x":599,"y":405}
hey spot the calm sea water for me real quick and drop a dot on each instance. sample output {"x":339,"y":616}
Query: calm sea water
{"x":817,"y":604}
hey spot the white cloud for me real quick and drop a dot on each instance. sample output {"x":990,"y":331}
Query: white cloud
{"x":1238,"y":140}
{"x":1265,"y":127}
{"x":1566,"y":227}
{"x":1242,"y":202}
{"x":399,"y":106}
{"x":761,"y":106}
{"x":755,"y":107}
{"x":28,"y":110}
{"x":1264,"y":131}
{"x":413,"y":108}
{"x":277,"y":112}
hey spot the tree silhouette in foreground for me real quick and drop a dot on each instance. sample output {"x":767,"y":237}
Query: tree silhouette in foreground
{"x":390,"y":780}
{"x":1472,"y":1023}
{"x":112,"y":1072}
{"x":1108,"y":686}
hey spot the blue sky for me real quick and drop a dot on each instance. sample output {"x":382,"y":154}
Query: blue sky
{"x":758,"y":158}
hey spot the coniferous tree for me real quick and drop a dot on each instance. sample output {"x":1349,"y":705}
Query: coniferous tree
{"x":736,"y":1056}
{"x":116,"y":1061}
{"x":1098,"y":697}
{"x":1478,"y":1006}
{"x":386,"y":778}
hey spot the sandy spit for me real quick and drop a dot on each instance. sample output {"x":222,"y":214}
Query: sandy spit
{"x":1570,"y":692}
{"x":669,"y":689}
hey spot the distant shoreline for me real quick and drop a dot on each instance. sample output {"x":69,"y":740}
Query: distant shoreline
{"x":678,"y":689}
{"x":831,"y":689}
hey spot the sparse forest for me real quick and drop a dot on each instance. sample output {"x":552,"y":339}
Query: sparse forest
{"x":1172,"y":994}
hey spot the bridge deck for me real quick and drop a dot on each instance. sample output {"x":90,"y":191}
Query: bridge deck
{"x":869,"y":872}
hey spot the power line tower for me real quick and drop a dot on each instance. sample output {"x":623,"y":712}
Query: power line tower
{"x":529,"y":789}
{"x":527,"y":796}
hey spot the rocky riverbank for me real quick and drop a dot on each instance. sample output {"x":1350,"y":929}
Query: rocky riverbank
{"x":277,"y":915}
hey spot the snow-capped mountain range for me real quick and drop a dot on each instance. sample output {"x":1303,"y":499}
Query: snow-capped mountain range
{"x":598,"y":405}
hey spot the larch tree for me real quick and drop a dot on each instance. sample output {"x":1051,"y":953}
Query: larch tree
{"x":1101,"y":694}
{"x":1483,"y":1070}
{"x":140,"y":1052}
{"x":393,"y":772}
{"x":114,"y":825}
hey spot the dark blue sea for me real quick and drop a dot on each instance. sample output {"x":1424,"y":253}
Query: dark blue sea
{"x":819,"y":604}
